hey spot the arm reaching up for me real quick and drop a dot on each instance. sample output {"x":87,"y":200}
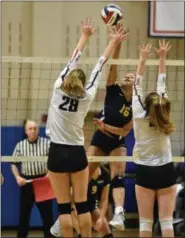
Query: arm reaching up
{"x":161,"y":81}
{"x":137,"y":105}
{"x":113,"y":68}
{"x":93,"y":82}
{"x":87,"y":30}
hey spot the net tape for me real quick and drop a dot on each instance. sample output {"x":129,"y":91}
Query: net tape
{"x":89,"y":60}
{"x":90,"y":159}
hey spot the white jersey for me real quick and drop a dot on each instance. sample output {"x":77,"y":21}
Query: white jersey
{"x":152,"y":148}
{"x":66,"y":114}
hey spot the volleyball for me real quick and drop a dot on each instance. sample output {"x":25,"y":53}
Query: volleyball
{"x":111,"y":14}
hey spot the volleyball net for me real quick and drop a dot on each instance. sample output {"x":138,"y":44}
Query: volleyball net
{"x":27,"y":84}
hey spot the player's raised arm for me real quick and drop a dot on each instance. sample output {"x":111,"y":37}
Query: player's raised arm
{"x":87,"y":30}
{"x":137,"y":105}
{"x":115,"y":55}
{"x":161,"y":81}
{"x":115,"y":38}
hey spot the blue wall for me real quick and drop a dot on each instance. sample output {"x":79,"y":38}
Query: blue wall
{"x":10,"y":190}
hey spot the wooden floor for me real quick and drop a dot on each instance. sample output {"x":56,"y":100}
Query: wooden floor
{"x":126,"y":233}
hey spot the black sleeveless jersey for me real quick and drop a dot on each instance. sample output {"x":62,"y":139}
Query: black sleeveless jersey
{"x":117,"y":110}
{"x":96,"y":185}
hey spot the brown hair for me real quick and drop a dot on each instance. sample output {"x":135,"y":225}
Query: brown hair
{"x":74,"y":84}
{"x":158,"y":109}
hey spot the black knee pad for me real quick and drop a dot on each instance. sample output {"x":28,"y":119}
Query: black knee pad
{"x":64,"y":208}
{"x":117,"y":182}
{"x":82,"y":207}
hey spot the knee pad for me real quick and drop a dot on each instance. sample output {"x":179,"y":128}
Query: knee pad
{"x":145,"y":225}
{"x":117,"y":182}
{"x":82,"y":207}
{"x":64,"y":208}
{"x":166,"y":224}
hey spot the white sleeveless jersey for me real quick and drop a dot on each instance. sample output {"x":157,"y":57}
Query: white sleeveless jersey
{"x":66,"y":114}
{"x":152,"y":148}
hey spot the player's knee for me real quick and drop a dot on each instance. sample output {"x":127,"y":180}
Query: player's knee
{"x":166,"y":224}
{"x":82,"y":207}
{"x":145,"y":225}
{"x":64,"y":208}
{"x":117,"y":182}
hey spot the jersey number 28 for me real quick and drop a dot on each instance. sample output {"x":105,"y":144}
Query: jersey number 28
{"x":69,"y":104}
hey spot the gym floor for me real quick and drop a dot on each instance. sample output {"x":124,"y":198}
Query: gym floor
{"x":34,"y":233}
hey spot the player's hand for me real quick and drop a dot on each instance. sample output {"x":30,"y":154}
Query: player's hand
{"x":20,"y":181}
{"x":163,"y":49}
{"x":88,"y":28}
{"x":145,"y":51}
{"x":99,"y":224}
{"x":99,"y":123}
{"x":118,"y":33}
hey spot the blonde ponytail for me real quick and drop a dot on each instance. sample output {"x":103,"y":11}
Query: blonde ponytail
{"x":74,"y":84}
{"x":158,"y":109}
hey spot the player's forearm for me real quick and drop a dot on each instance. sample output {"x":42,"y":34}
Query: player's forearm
{"x":103,"y":207}
{"x":141,"y":67}
{"x":109,"y":49}
{"x":15,"y":171}
{"x":113,"y":68}
{"x":81,"y":43}
{"x":127,"y":128}
{"x":162,"y":65}
{"x":114,"y":130}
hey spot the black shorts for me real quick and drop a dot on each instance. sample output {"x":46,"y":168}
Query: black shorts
{"x":106,"y":143}
{"x":66,"y":158}
{"x":93,"y":205}
{"x":155,"y":177}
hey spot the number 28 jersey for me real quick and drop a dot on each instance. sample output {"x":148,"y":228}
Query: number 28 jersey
{"x":66,"y":114}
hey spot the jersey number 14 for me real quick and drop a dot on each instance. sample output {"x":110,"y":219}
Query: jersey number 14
{"x":69,"y":104}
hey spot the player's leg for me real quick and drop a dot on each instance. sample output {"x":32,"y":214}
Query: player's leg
{"x":117,"y":185}
{"x":79,"y":182}
{"x":145,"y":200}
{"x":166,"y":194}
{"x":94,"y":151}
{"x":166,"y":205}
{"x":61,"y":184}
{"x":105,"y":229}
{"x":75,"y":220}
{"x":97,"y":147}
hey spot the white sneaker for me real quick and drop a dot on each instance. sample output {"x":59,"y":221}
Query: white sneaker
{"x":55,"y":229}
{"x":118,"y":221}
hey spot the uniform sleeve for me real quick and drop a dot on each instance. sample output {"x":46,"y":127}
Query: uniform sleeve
{"x":161,"y":85}
{"x":93,"y":82}
{"x":137,"y":104}
{"x":16,"y":153}
{"x":72,"y":64}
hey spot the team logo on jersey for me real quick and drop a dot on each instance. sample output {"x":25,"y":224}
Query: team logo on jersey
{"x":100,"y":181}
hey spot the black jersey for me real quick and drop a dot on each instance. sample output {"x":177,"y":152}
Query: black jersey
{"x":117,"y":110}
{"x":96,"y":185}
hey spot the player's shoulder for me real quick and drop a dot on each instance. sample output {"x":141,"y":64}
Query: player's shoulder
{"x":113,"y":89}
{"x":113,"y":86}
